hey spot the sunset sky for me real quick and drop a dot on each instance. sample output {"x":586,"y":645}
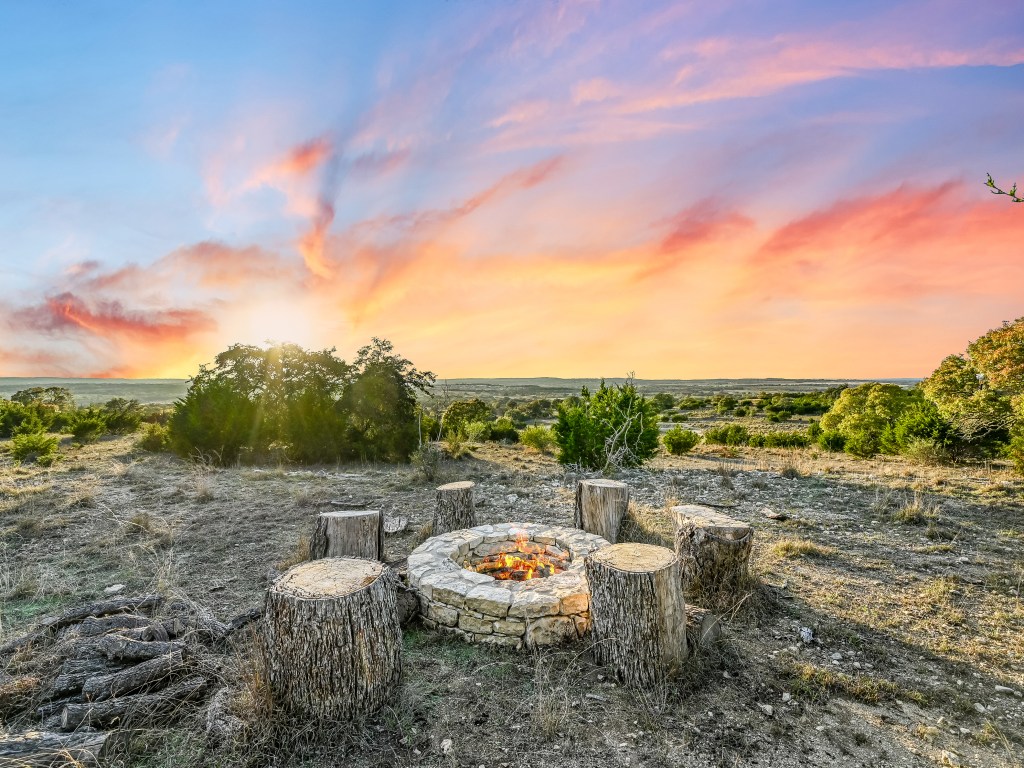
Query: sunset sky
{"x":528,"y":188}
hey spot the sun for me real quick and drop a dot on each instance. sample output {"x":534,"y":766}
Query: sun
{"x":283,"y":320}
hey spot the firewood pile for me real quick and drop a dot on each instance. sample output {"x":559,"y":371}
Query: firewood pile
{"x":119,"y":662}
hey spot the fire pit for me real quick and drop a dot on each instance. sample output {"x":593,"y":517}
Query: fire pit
{"x":510,"y":584}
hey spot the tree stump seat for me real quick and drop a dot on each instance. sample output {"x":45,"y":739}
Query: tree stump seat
{"x":456,"y":509}
{"x":600,"y":506}
{"x":637,"y":612}
{"x":348,"y":533}
{"x":331,"y":636}
{"x":714,"y":550}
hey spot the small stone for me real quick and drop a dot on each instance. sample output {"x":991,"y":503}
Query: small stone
{"x":979,"y":707}
{"x":446,"y":747}
{"x":950,"y":759}
{"x":768,"y":709}
{"x":787,"y":696}
{"x":806,"y":634}
{"x":999,"y":688}
{"x":113,"y":589}
{"x":837,"y":657}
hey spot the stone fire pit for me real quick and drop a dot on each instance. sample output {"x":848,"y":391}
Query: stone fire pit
{"x":542,"y":610}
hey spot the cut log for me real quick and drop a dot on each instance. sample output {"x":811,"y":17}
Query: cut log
{"x":106,"y":608}
{"x":116,"y":647}
{"x":194,"y":621}
{"x":93,"y":627}
{"x":637,"y":612}
{"x":39,"y":749}
{"x":600,"y":507}
{"x":702,"y":627}
{"x":714,"y":550}
{"x":74,"y":673}
{"x":146,"y":676}
{"x":331,"y":638}
{"x":348,"y":533}
{"x":134,"y":710}
{"x":244,"y":619}
{"x":455,"y":509}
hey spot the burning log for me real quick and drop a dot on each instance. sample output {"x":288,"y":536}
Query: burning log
{"x":637,"y":612}
{"x":348,"y":533}
{"x":714,"y":550}
{"x":332,"y":640}
{"x":40,"y":749}
{"x":600,"y":507}
{"x":455,"y":507}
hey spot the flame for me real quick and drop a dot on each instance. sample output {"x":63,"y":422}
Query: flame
{"x":524,"y":563}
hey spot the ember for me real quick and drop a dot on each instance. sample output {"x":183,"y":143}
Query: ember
{"x":528,"y":561}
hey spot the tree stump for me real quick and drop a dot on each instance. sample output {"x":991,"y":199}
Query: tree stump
{"x":331,"y":639}
{"x":455,"y":509}
{"x":348,"y":533}
{"x":714,"y":550}
{"x":600,"y":507}
{"x":637,"y":612}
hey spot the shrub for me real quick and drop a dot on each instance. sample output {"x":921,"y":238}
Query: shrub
{"x":678,"y":418}
{"x":663,"y":401}
{"x":613,"y":427}
{"x":155,"y":438}
{"x":122,"y":416}
{"x":463,"y":412}
{"x":926,"y":451}
{"x":863,"y":414}
{"x":539,"y":438}
{"x":731,"y":434}
{"x":477,"y":431}
{"x":35,"y":446}
{"x":504,"y":431}
{"x":814,"y":431}
{"x":1015,"y":452}
{"x":427,"y":459}
{"x":778,"y":440}
{"x":831,"y":441}
{"x":88,"y":426}
{"x":679,"y":441}
{"x":692,"y":403}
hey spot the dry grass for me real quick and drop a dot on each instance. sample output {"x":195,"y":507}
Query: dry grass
{"x":299,"y":554}
{"x":915,"y":511}
{"x":789,"y":548}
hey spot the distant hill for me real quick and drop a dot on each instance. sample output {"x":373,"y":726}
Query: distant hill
{"x":87,"y":391}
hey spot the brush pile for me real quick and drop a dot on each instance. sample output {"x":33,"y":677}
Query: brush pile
{"x":122,"y":662}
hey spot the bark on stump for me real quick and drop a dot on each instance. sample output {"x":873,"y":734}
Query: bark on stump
{"x":455,"y":508}
{"x":637,"y":612}
{"x":348,"y":533}
{"x":714,"y":550}
{"x":600,"y":507}
{"x":331,"y":638}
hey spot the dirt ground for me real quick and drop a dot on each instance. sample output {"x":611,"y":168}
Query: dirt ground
{"x":908,"y":577}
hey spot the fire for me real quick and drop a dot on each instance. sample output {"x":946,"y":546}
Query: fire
{"x":529,"y":561}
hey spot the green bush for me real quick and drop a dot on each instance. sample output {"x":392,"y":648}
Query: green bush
{"x":863,"y":415}
{"x":678,"y":418}
{"x":156,"y":438}
{"x":477,"y":431}
{"x":663,"y":401}
{"x":678,"y":441}
{"x":122,"y":416}
{"x":778,"y":440}
{"x":504,"y":431}
{"x":691,"y":403}
{"x":831,"y":441}
{"x":731,"y":434}
{"x":814,"y":431}
{"x":1015,"y":452}
{"x":539,"y":438}
{"x":34,"y":446}
{"x":463,"y":412}
{"x":88,"y":426}
{"x":613,"y":427}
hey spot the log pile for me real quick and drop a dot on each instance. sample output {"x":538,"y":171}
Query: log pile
{"x":108,"y":664}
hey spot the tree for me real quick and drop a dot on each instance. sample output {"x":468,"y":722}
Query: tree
{"x":462,"y":412}
{"x":613,"y":428}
